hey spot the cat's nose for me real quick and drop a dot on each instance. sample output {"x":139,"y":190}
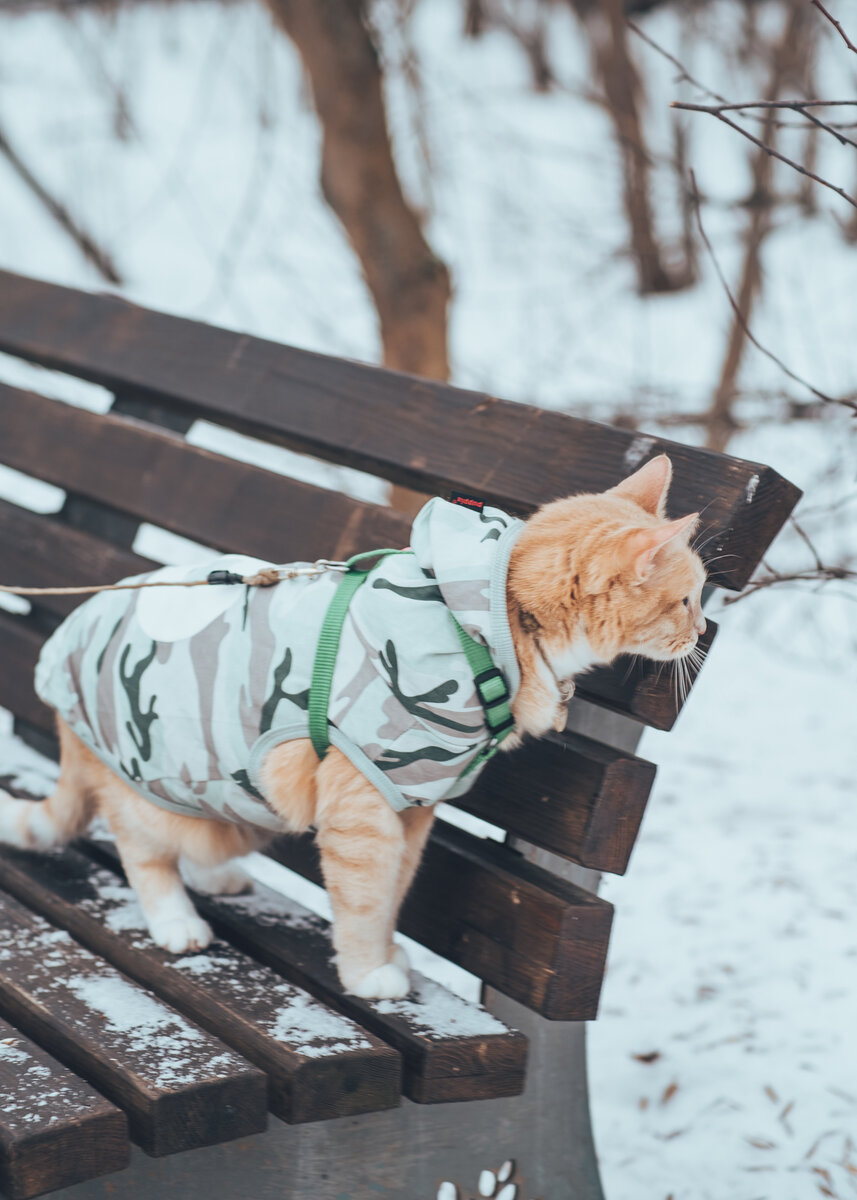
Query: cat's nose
{"x":700,"y":624}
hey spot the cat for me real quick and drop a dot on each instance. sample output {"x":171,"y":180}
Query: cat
{"x":586,"y":578}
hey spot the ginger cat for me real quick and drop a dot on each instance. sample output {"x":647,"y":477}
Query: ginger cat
{"x":583,"y":580}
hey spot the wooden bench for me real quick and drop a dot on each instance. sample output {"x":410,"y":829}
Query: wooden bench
{"x":185,"y":1055}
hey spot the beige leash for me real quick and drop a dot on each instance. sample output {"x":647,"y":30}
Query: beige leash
{"x":267,"y":577}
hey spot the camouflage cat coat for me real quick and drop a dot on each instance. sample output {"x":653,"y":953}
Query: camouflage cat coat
{"x":184,"y":691}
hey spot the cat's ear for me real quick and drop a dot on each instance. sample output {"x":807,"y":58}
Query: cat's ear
{"x":641,"y":546}
{"x":649,"y":486}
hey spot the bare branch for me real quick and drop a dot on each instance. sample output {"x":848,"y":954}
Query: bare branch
{"x":714,"y":111}
{"x":814,"y":575}
{"x":684,"y":75}
{"x":87,"y":245}
{"x":836,"y":25}
{"x":845,"y":402}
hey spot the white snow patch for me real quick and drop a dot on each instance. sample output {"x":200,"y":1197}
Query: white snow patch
{"x":127,"y":1008}
{"x":637,"y":450}
{"x":323,"y":1030}
{"x":13,"y":1054}
{"x":750,"y":489}
{"x":196,"y":964}
{"x":440,"y":1013}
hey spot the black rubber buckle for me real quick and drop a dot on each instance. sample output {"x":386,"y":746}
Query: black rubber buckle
{"x":224,"y":577}
{"x":488,"y":703}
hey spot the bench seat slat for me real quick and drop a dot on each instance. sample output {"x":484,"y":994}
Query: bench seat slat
{"x":319,"y":1064}
{"x":586,"y":805}
{"x":413,"y":431}
{"x":220,"y":502}
{"x":55,"y":1130}
{"x":451,"y":1050}
{"x":180,"y":1087}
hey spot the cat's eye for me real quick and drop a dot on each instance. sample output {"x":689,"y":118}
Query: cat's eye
{"x":686,"y":601}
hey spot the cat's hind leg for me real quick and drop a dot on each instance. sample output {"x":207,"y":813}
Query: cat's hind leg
{"x":44,"y":824}
{"x":362,"y":844}
{"x":149,"y":844}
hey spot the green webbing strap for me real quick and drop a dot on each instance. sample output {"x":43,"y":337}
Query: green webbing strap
{"x":493,"y":694}
{"x":489,"y":680}
{"x":328,"y":648}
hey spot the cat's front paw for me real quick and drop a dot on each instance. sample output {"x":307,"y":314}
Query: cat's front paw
{"x":399,"y":957}
{"x":179,"y":934}
{"x":389,"y":982}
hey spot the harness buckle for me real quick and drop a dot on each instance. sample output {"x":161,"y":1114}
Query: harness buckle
{"x":494,"y":694}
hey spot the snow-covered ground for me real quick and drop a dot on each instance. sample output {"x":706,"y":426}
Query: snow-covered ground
{"x":724,"y":1063}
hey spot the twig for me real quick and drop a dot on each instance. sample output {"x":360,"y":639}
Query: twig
{"x":836,"y":25}
{"x":801,"y":107}
{"x":820,"y":572}
{"x":815,"y":575}
{"x":714,"y":112}
{"x":684,"y":75}
{"x":844,"y":401}
{"x":89,"y":248}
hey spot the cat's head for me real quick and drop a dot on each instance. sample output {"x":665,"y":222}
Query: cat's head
{"x":612,"y":568}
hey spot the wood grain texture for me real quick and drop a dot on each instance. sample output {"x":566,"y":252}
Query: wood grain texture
{"x":524,"y":931}
{"x":179,"y":1086}
{"x":319,"y":1064}
{"x":156,"y":476}
{"x":40,"y":551}
{"x":451,"y":1050}
{"x":568,"y":794}
{"x":55,"y":1130}
{"x":412,"y":431}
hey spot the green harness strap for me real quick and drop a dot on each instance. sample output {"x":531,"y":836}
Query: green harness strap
{"x":489,"y":680}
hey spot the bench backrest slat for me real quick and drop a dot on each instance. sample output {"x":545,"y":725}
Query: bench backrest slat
{"x":409,"y":430}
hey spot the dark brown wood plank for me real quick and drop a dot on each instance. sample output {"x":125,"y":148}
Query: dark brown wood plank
{"x":180,"y":1087}
{"x":568,"y":794}
{"x":39,"y":551}
{"x":55,"y":1130}
{"x":156,"y":476}
{"x":644,"y":690}
{"x":319,"y":1063}
{"x":451,"y":1050}
{"x":413,"y":431}
{"x":20,"y":643}
{"x":528,"y":933}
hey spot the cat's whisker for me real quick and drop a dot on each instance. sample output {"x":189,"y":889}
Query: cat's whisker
{"x":698,"y":546}
{"x":717,"y":557}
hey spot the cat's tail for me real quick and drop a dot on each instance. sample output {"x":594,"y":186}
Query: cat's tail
{"x":44,"y":824}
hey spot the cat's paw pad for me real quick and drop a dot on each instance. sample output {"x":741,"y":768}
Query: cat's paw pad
{"x":399,"y":958}
{"x":226,"y":880}
{"x":180,"y":934}
{"x":389,"y":982}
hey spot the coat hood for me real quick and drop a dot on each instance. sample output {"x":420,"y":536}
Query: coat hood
{"x":467,"y":553}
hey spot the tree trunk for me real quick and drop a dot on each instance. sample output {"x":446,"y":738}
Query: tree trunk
{"x":608,"y":38}
{"x":788,"y":59}
{"x":409,"y":284}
